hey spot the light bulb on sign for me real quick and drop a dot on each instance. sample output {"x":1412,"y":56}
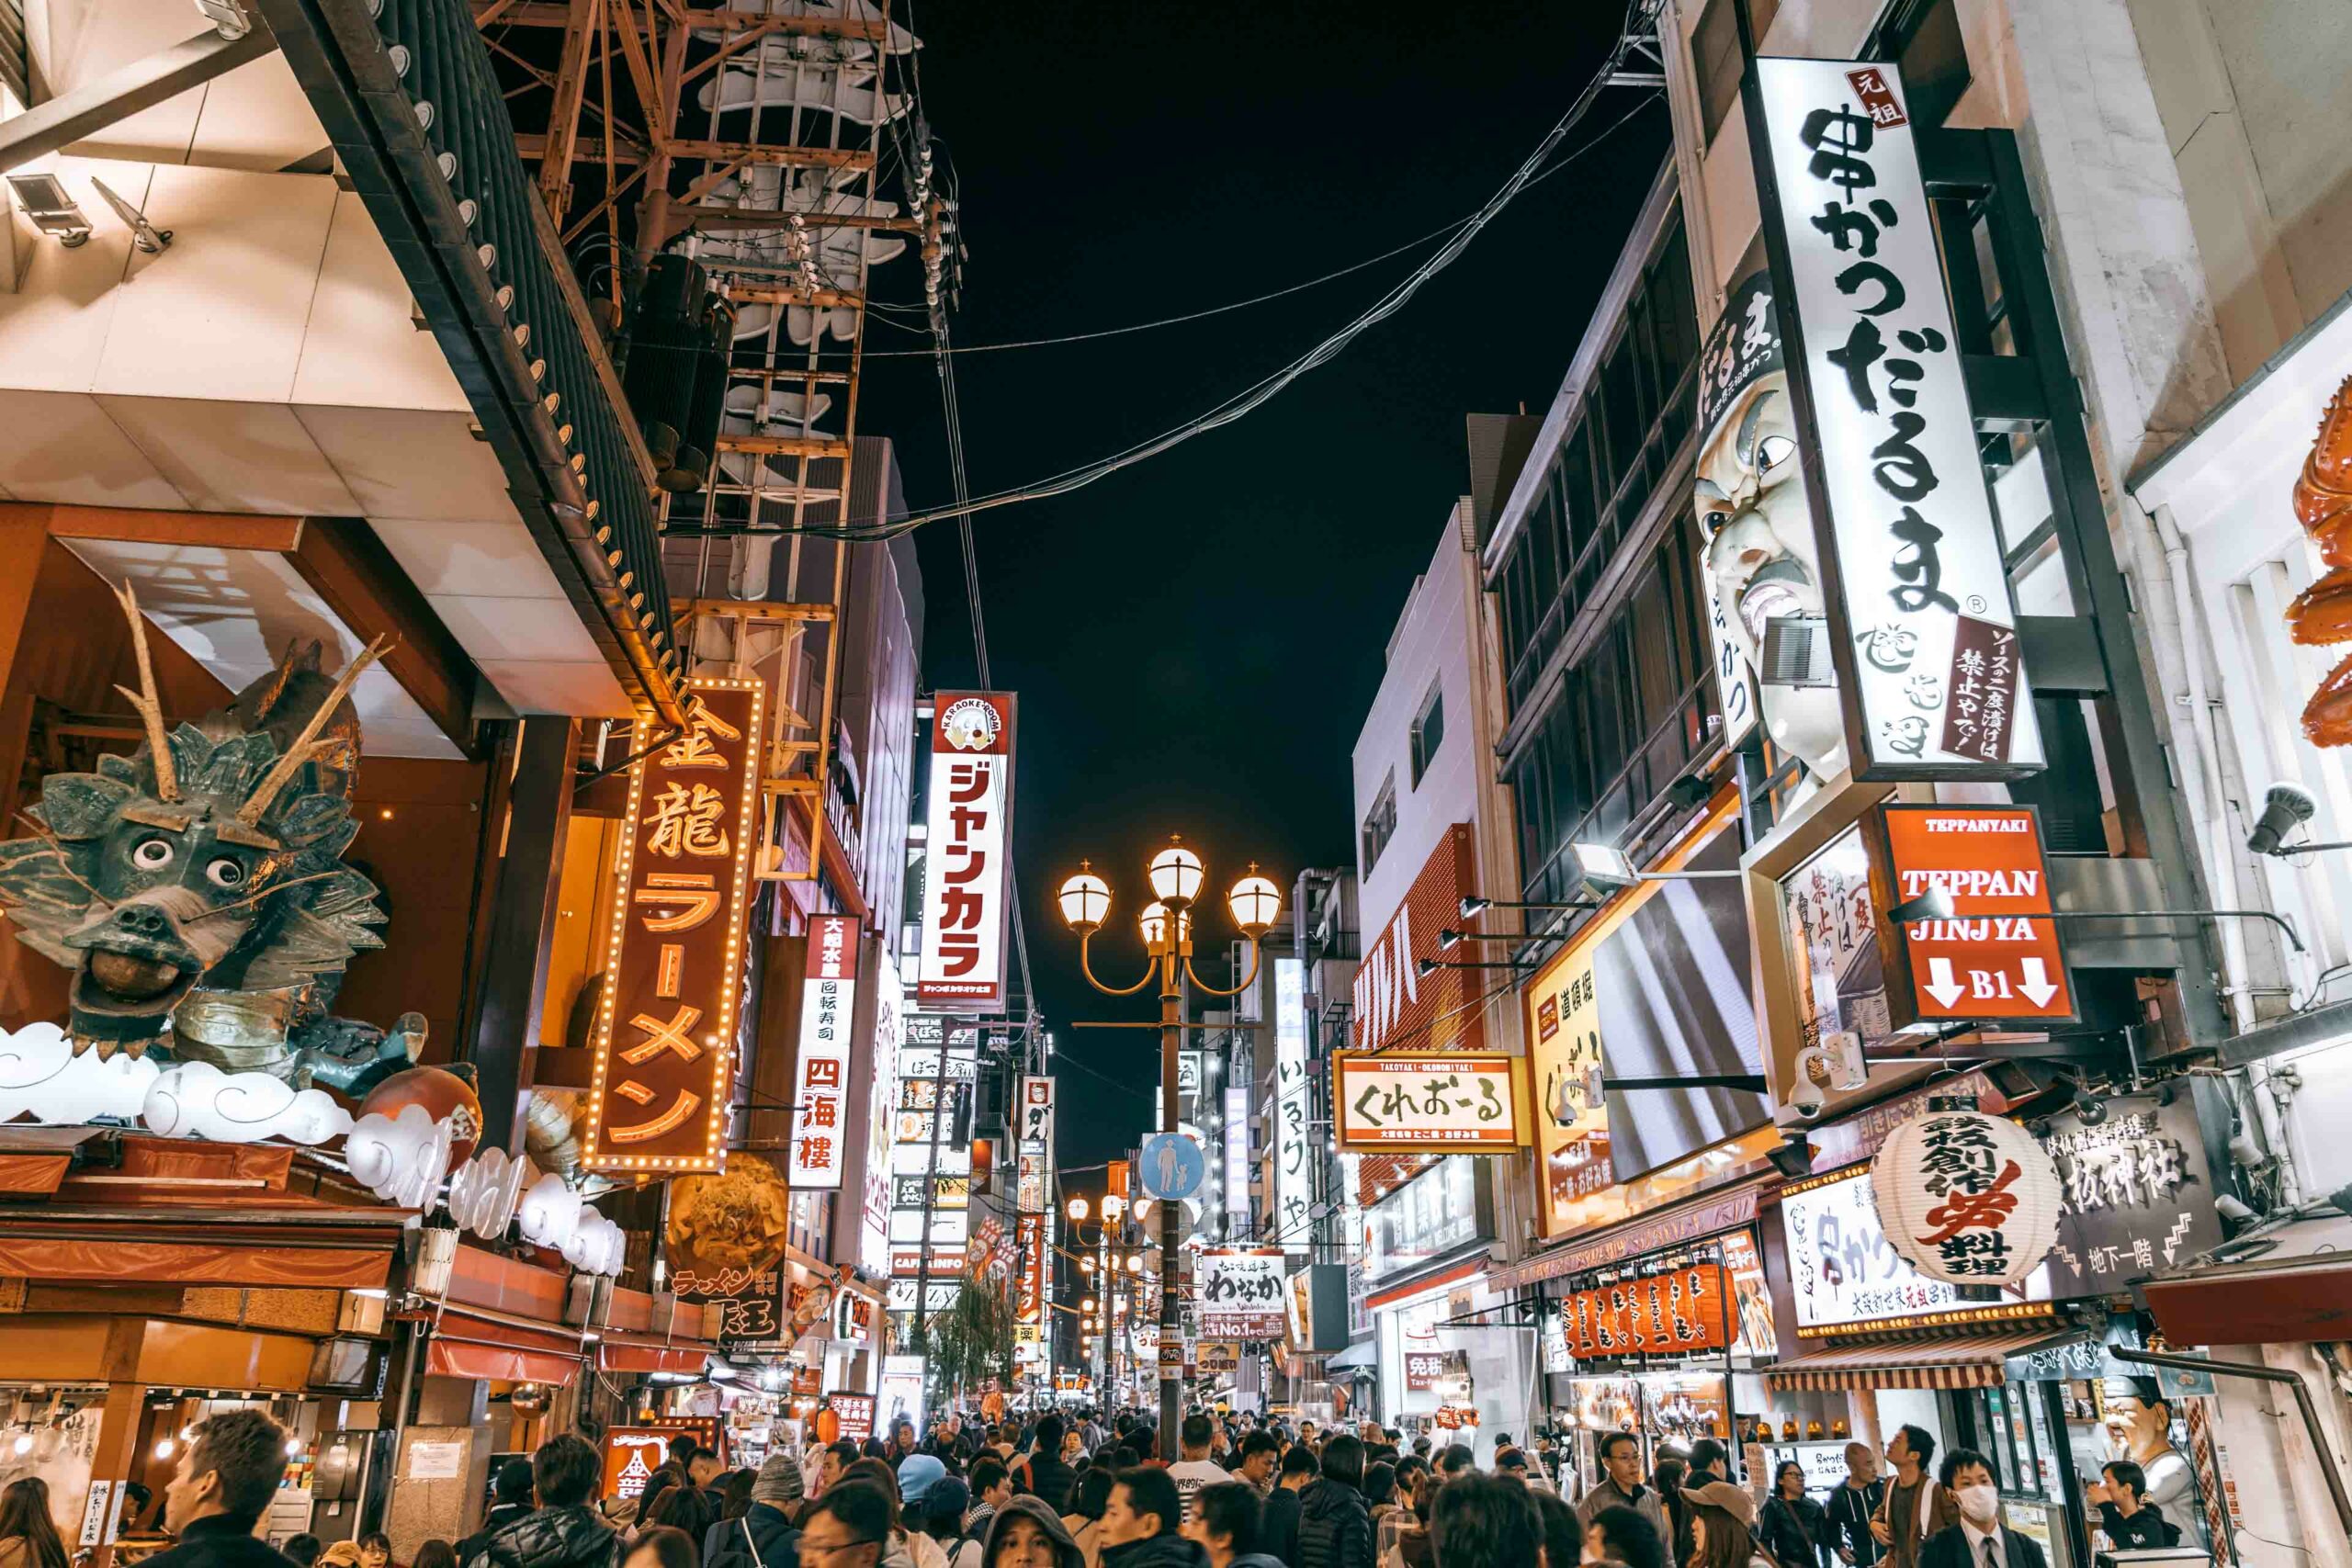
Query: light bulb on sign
{"x":24,"y":1444}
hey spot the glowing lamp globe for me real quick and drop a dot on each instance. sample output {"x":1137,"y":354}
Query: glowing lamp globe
{"x":1255,"y":900}
{"x":1176,"y":874}
{"x":1077,"y":1210}
{"x":446,"y":1097}
{"x":1114,"y":1206}
{"x":1085,"y":899}
{"x":1153,"y":921}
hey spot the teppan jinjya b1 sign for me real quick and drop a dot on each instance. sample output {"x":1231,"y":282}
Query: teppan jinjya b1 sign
{"x":1998,"y":956}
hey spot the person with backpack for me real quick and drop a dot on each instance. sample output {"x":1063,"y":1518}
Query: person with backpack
{"x":765,"y":1535}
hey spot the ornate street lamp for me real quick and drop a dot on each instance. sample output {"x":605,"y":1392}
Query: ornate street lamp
{"x":1176,"y":875}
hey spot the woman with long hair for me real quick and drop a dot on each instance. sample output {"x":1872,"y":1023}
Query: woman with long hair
{"x":435,"y":1553}
{"x":1722,"y":1521}
{"x":28,"y":1537}
{"x":1087,"y":1501}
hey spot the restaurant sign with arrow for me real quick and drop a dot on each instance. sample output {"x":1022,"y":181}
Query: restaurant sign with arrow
{"x":1997,"y":955}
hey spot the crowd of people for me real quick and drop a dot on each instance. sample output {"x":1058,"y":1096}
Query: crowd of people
{"x":1078,"y":1489}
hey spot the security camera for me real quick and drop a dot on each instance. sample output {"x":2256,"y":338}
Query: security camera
{"x":2286,"y":808}
{"x":1810,"y":1092}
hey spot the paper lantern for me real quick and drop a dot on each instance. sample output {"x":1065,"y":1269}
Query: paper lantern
{"x":1966,"y":1198}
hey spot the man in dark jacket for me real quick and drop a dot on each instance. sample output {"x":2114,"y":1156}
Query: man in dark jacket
{"x":764,"y":1537}
{"x":1225,"y":1520}
{"x":510,"y":1500}
{"x":228,"y":1473}
{"x":1139,"y":1523}
{"x":1044,"y":1474}
{"x":1278,"y":1526}
{"x":1334,"y":1523}
{"x":566,"y":1531}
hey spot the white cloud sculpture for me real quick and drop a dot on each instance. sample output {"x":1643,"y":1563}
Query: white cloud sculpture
{"x":484,"y":1192}
{"x":42,"y":1073}
{"x":196,"y":1099}
{"x":403,"y":1159}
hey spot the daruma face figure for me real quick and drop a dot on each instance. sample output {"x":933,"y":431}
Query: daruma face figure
{"x":1762,"y":562}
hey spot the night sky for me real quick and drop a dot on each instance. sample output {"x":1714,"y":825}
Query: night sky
{"x":1195,"y":641}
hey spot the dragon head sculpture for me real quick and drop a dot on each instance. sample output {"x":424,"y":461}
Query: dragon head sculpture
{"x":207,"y":862}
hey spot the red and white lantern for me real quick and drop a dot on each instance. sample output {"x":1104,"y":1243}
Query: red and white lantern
{"x":1966,"y":1198}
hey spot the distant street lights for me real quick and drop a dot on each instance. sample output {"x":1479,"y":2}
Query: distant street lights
{"x":1176,"y":875}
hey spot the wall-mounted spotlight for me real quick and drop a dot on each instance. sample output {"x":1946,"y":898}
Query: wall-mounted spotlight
{"x":143,"y":235}
{"x":44,"y":201}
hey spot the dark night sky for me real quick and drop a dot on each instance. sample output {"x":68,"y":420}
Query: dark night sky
{"x":1195,"y":641}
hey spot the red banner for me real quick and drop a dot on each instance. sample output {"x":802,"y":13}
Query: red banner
{"x":1688,"y":1309}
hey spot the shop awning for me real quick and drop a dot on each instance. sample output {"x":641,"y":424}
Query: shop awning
{"x":2300,"y":1292}
{"x":1365,"y":1356}
{"x":1926,"y":1363}
{"x":465,"y":1345}
{"x":624,"y":1355}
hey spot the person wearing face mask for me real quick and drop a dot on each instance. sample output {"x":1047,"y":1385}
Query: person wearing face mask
{"x":1978,"y":1540}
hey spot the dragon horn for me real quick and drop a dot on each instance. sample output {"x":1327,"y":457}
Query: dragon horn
{"x":150,"y":709}
{"x":300,"y":753}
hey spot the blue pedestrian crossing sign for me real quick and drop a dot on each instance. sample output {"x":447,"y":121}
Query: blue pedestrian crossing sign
{"x":1173,"y":1167}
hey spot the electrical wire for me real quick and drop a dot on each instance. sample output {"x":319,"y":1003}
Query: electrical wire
{"x":1261,"y":392}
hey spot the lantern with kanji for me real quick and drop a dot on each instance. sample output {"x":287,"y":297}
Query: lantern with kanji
{"x":1966,"y":1198}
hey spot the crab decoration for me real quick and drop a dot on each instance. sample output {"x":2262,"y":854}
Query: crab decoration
{"x":196,"y":888}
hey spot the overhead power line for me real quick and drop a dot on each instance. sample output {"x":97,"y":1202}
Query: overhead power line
{"x":1255,"y":396}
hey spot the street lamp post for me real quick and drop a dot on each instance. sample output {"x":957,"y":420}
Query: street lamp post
{"x":1176,"y":875}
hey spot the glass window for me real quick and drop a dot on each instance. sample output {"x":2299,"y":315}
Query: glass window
{"x":1715,"y":57}
{"x":1428,"y":730}
{"x":1380,"y":824}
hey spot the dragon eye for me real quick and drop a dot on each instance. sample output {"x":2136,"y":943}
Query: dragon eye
{"x":1773,"y":450}
{"x":226,"y":873}
{"x":1717,"y":521}
{"x":151,"y":854}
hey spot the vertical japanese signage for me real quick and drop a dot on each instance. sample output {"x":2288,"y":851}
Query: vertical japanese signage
{"x":1999,"y":955}
{"x":1237,"y":1149}
{"x":1572,"y":1158}
{"x":1917,"y":594}
{"x":881,"y":1114}
{"x":1294,"y":1186}
{"x":665,"y":1028}
{"x":1396,"y":1007}
{"x":1037,"y":1114}
{"x":967,"y":852}
{"x":1029,"y":1300}
{"x":821,"y":1077}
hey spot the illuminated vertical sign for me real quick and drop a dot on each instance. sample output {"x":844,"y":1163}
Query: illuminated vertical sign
{"x":665,"y":1027}
{"x":1037,"y":1114}
{"x":1237,"y":1149}
{"x":881,"y":1116}
{"x":1913,"y":581}
{"x":821,"y":1077}
{"x":1294,"y":1198}
{"x":967,"y":854}
{"x":1029,"y":1302}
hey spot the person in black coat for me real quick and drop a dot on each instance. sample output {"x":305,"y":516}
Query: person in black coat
{"x":1043,"y":1474}
{"x":1278,"y":1523}
{"x":228,"y":1473}
{"x":763,"y":1535}
{"x":509,"y":1492}
{"x":1334,"y":1522}
{"x":566,"y":1531}
{"x":1979,"y":1540}
{"x":1793,"y":1526}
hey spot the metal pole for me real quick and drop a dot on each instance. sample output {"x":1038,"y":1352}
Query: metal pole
{"x":1171,"y":1327}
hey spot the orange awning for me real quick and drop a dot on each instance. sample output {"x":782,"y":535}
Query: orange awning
{"x":1926,"y":1363}
{"x":465,"y":1345}
{"x":2298,"y":1301}
{"x":630,"y":1356}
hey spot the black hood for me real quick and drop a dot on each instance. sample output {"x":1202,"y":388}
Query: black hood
{"x":1067,"y":1552}
{"x":556,"y":1538}
{"x":1167,"y":1550}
